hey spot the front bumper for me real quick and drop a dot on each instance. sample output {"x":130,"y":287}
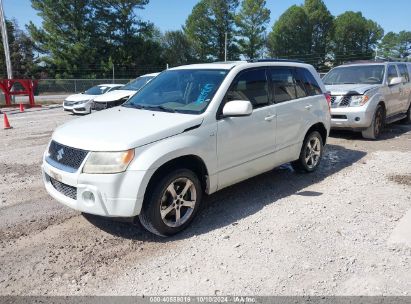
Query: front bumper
{"x":355,"y":118}
{"x":109,"y":195}
{"x":84,"y":108}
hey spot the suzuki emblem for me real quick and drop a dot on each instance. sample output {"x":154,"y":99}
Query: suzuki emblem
{"x":60,"y":154}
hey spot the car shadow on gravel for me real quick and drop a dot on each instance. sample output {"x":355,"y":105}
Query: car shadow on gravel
{"x":232,"y":204}
{"x":390,"y":131}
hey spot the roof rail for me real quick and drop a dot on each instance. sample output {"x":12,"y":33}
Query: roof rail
{"x":275,"y":60}
{"x":379,"y":60}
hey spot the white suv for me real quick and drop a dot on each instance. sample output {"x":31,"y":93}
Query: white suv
{"x":192,"y":130}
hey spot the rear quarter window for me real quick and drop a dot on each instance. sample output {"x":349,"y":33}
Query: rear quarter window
{"x":310,"y":83}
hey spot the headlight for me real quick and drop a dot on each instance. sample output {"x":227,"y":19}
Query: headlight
{"x":359,"y":100}
{"x":82,"y":102}
{"x":108,"y":162}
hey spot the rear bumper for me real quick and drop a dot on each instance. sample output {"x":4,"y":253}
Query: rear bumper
{"x":351,"y":118}
{"x":109,"y":195}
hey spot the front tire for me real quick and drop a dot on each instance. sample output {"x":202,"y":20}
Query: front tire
{"x":374,"y":131}
{"x":311,"y":153}
{"x":172,"y":204}
{"x":407,"y":120}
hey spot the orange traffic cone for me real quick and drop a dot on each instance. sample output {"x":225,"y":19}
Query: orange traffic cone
{"x":6,"y":122}
{"x":21,"y":108}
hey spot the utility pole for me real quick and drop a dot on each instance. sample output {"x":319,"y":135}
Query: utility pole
{"x":225,"y":47}
{"x":5,"y":41}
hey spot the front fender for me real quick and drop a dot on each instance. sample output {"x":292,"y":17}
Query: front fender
{"x":200,"y":142}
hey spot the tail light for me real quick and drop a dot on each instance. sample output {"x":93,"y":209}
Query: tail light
{"x":328,"y":97}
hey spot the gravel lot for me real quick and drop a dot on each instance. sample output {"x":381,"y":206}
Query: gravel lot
{"x":343,"y":230}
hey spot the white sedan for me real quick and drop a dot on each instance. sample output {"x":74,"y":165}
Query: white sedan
{"x":118,"y":97}
{"x":82,"y":103}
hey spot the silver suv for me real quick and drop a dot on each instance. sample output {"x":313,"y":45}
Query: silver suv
{"x":192,"y":130}
{"x":365,"y":96}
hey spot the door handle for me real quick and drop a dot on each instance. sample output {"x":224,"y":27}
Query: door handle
{"x":308,"y":107}
{"x":270,"y":118}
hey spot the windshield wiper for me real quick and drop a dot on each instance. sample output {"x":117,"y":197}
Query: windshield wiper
{"x":161,"y":108}
{"x":130,"y":105}
{"x":155,"y":108}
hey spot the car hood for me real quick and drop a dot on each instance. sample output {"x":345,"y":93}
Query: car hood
{"x":120,"y":128}
{"x":114,"y":95}
{"x":80,"y":97}
{"x":354,"y":89}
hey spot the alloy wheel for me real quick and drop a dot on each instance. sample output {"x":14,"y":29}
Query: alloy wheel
{"x":312,"y":152}
{"x":178,"y":202}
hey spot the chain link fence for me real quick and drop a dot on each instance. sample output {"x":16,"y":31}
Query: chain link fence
{"x":71,"y":86}
{"x":56,"y":90}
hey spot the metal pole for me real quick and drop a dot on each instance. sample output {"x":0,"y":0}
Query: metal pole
{"x":113,"y":72}
{"x":225,"y":47}
{"x":5,"y":41}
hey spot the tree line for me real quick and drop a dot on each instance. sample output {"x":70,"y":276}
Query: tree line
{"x":90,"y":38}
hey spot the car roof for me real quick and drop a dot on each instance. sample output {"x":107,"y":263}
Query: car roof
{"x":370,"y":63}
{"x":111,"y":85}
{"x":150,"y":75}
{"x":231,"y":64}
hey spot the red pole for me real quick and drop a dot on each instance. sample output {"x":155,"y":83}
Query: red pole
{"x":31,"y":93}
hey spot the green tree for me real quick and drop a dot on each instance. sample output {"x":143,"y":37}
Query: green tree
{"x":291,"y":34}
{"x":388,"y":46}
{"x":355,"y":37}
{"x":395,"y":45}
{"x":66,"y":36}
{"x":86,"y":38}
{"x":177,"y":50}
{"x":21,"y":52}
{"x":206,"y":27}
{"x":251,"y":21}
{"x":132,"y":44}
{"x":404,"y":40}
{"x":321,"y":24}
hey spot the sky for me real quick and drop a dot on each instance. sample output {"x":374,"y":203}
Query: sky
{"x":171,"y":14}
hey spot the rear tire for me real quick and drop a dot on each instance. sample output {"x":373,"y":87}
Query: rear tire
{"x":172,"y":204}
{"x":311,"y":153}
{"x":374,"y":131}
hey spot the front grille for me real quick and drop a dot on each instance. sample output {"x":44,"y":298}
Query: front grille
{"x":68,"y":159}
{"x":345,"y":101}
{"x":99,"y":106}
{"x":340,"y":101}
{"x":64,"y":189}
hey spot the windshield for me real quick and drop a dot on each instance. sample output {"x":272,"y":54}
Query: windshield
{"x":185,"y":91}
{"x":137,"y":84}
{"x":97,"y":90}
{"x":367,"y":74}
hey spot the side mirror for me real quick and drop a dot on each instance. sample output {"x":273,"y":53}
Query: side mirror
{"x":396,"y":80}
{"x":237,"y":108}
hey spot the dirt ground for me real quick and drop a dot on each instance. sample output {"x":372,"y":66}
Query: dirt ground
{"x":343,"y":230}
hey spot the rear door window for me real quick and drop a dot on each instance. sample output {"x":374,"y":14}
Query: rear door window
{"x":250,"y":85}
{"x":283,"y":84}
{"x":392,"y":73}
{"x":404,"y":71}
